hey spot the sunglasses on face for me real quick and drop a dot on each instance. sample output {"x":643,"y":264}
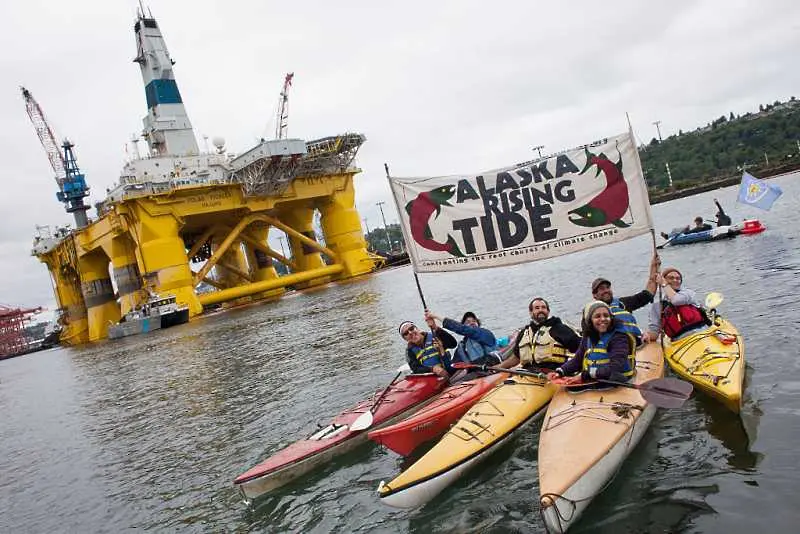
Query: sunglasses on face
{"x":409,"y":330}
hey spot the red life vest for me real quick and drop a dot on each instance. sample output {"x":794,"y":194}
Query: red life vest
{"x":679,"y":319}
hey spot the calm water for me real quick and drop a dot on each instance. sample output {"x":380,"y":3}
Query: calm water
{"x":149,"y":432}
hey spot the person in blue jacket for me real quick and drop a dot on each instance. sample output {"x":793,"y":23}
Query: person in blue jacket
{"x":478,"y":346}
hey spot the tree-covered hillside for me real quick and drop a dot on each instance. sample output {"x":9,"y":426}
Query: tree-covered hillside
{"x":760,"y":142}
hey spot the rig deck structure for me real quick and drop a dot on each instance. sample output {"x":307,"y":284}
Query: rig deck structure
{"x":180,"y":219}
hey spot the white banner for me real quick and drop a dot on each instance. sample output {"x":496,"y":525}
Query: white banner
{"x":582,"y":198}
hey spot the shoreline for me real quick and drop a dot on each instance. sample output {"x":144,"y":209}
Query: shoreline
{"x":658,"y":196}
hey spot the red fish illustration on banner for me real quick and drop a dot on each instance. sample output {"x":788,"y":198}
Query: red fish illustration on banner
{"x":419,"y":214}
{"x":612,"y":203}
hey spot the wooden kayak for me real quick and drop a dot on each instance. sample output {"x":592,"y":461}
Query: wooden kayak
{"x":586,"y":436}
{"x":432,"y":421}
{"x":713,"y":360}
{"x":401,"y":398}
{"x":492,"y":421}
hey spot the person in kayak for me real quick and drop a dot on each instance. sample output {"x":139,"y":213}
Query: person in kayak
{"x":678,"y":313}
{"x":478,"y":346}
{"x":544,"y":342}
{"x":699,"y":226}
{"x":427,"y":351}
{"x":623,"y":307}
{"x":722,"y":218}
{"x":606,"y":351}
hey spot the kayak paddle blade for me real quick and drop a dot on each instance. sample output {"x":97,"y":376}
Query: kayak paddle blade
{"x":666,"y":392}
{"x":713,"y":300}
{"x":362,"y":422}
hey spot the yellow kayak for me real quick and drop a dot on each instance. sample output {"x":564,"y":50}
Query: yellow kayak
{"x":586,"y":436}
{"x":713,"y":360}
{"x":502,"y":412}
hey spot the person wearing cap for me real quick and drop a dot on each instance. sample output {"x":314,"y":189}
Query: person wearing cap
{"x":623,"y":307}
{"x":699,"y":226}
{"x":605,"y":352}
{"x":678,"y":313}
{"x":478,"y":346}
{"x":427,"y":351}
{"x":545,"y":342}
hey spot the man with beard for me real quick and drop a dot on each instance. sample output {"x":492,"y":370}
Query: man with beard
{"x":623,"y":307}
{"x":544,"y":342}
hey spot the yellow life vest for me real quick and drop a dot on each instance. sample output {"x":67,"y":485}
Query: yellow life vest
{"x":540,"y":347}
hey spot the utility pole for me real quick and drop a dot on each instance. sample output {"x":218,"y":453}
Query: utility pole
{"x":385,"y":228}
{"x":669,"y":174}
{"x":658,"y":129}
{"x":539,"y":148}
{"x":283,"y":251}
{"x":766,"y":158}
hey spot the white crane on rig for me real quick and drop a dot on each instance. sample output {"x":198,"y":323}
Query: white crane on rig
{"x":282,"y":122}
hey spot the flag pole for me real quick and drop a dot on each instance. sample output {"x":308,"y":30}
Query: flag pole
{"x":408,"y":245}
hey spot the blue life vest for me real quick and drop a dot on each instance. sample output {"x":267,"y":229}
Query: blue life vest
{"x":428,"y":355}
{"x":596,"y":355}
{"x":624,"y":320}
{"x":469,"y":350}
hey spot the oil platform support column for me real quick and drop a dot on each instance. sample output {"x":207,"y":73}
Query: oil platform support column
{"x":341,"y":226}
{"x":98,"y":293}
{"x":74,"y":319}
{"x":305,"y":257}
{"x":261,"y":264}
{"x":164,"y":259}
{"x":126,"y":273}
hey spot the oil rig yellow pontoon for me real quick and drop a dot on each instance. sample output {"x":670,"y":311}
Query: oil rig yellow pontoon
{"x":177,"y":208}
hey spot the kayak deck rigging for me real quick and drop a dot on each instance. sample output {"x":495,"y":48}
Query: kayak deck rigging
{"x":592,"y":410}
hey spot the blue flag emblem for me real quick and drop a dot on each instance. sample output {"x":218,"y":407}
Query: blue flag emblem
{"x":758,"y":193}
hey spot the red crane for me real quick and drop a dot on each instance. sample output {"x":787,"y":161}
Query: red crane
{"x":13,"y":339}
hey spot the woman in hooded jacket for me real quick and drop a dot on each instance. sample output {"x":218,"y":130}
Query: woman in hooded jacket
{"x":604,"y":353}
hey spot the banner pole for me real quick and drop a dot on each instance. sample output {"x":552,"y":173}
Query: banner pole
{"x":408,"y":246}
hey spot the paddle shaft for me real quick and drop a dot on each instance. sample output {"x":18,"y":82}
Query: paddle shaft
{"x":383,"y":393}
{"x":416,"y":278}
{"x":645,"y":386}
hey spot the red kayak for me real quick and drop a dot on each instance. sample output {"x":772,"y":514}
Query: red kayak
{"x":437,"y":417}
{"x":401,"y":398}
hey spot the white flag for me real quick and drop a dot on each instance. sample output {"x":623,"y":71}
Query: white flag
{"x":578,"y":199}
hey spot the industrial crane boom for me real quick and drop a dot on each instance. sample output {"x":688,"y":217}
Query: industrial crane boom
{"x":71,"y":182}
{"x":46,"y":135}
{"x":282,"y":124}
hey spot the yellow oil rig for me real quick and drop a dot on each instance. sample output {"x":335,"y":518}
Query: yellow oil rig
{"x":196,"y":224}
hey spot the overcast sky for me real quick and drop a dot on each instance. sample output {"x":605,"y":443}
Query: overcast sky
{"x":438,"y":87}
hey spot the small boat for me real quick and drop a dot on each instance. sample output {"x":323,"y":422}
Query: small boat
{"x":586,"y":436}
{"x":747,"y":227}
{"x":434,"y":420}
{"x":491,"y":422}
{"x":400,"y":399}
{"x":156,"y":313}
{"x":713,"y":360}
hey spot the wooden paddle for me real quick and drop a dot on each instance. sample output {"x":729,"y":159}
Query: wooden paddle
{"x":664,"y":392}
{"x":364,"y":421}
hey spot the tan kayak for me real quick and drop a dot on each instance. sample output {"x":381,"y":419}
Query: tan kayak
{"x":492,"y":421}
{"x":586,"y":436}
{"x":713,"y":360}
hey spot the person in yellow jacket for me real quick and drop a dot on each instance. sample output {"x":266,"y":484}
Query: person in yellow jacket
{"x":543,"y":343}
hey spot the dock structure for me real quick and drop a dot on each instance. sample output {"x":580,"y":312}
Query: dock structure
{"x":196,"y":225}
